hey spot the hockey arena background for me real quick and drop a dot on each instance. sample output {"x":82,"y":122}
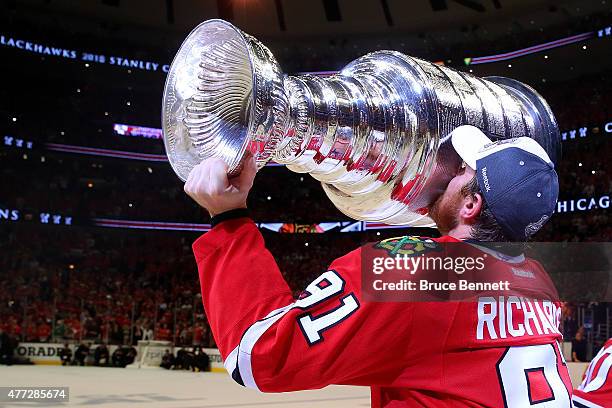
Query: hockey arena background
{"x":96,"y":232}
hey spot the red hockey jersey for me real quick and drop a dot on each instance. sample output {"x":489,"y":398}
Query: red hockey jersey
{"x":595,"y":391}
{"x":491,"y":352}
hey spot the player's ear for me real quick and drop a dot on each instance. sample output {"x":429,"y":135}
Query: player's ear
{"x":470,"y":208}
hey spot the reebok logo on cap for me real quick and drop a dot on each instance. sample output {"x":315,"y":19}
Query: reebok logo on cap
{"x":485,"y":179}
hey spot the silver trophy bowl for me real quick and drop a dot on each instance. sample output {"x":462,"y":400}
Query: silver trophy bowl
{"x":375,"y":134}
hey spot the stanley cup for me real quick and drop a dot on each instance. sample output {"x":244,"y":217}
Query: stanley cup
{"x":375,"y":134}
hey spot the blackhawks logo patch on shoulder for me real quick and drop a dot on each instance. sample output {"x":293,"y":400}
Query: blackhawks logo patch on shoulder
{"x":407,"y":245}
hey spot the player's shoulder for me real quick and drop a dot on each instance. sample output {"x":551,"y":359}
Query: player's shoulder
{"x":596,"y":387}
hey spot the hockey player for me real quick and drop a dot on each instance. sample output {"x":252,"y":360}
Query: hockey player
{"x":491,"y":352}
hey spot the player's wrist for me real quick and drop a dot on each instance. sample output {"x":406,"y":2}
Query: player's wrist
{"x":240,"y":212}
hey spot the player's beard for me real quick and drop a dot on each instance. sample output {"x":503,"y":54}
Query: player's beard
{"x":445,"y":211}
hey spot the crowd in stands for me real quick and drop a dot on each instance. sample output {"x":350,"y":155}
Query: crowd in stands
{"x":75,"y":284}
{"x":72,"y":284}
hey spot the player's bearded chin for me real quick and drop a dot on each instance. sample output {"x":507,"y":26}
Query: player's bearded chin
{"x":445,"y":210}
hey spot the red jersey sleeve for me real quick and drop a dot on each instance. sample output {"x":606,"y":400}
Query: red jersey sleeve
{"x":273,"y":343}
{"x":595,"y":391}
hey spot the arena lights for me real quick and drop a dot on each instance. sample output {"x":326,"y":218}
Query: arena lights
{"x":18,"y":143}
{"x":8,"y":214}
{"x":14,"y":119}
{"x":92,"y":151}
{"x":571,"y":134}
{"x":604,"y":32}
{"x":142,"y":131}
{"x":10,"y":141}
{"x":55,"y":219}
{"x":150,"y":225}
{"x":130,"y":63}
{"x":563,"y":206}
{"x":530,"y":50}
{"x":156,"y":133}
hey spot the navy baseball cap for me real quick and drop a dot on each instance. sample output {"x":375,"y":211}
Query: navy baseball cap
{"x":517,"y":179}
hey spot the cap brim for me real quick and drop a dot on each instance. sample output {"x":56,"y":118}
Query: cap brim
{"x":467,"y":141}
